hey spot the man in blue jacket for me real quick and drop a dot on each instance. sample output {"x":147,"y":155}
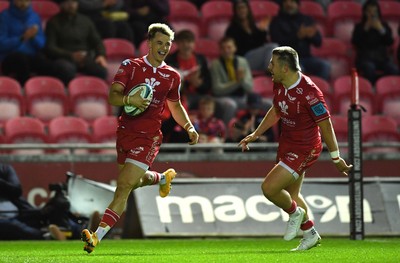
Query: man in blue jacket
{"x":21,"y":42}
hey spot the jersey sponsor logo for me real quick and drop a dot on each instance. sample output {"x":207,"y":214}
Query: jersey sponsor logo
{"x":318,"y":109}
{"x":126,"y":62}
{"x":291,"y":99}
{"x":137,"y":150}
{"x":164,"y":75}
{"x":310,"y":96}
{"x":284,"y":107}
{"x":288,"y":122}
{"x":299,"y":91}
{"x":291,"y":156}
{"x":144,"y":69}
{"x":313,"y":101}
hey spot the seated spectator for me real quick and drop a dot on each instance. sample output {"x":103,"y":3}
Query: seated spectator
{"x":109,"y":16}
{"x":247,"y":120}
{"x":143,"y":13}
{"x":74,"y":43}
{"x":231,"y":79}
{"x":21,"y":42}
{"x":252,"y":41}
{"x":196,"y":79}
{"x":19,"y":220}
{"x":299,"y":31}
{"x":372,"y":38}
{"x":210,"y":128}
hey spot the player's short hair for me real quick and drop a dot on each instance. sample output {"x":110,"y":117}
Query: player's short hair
{"x":287,"y":56}
{"x":162,"y":28}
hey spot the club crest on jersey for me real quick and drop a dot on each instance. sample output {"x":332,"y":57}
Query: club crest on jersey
{"x":152,"y":82}
{"x":284,"y":107}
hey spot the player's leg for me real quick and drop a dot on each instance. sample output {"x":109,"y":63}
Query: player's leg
{"x":162,"y":179}
{"x":129,"y":176}
{"x":311,"y":238}
{"x":273,"y":187}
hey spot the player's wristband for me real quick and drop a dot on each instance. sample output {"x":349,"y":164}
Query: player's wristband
{"x":335,"y":155}
{"x":188,"y":126}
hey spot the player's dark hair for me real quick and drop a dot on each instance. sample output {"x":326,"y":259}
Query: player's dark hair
{"x":287,"y":56}
{"x":161,"y":28}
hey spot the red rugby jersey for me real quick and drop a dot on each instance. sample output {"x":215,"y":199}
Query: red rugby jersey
{"x":300,"y":107}
{"x":165,"y":82}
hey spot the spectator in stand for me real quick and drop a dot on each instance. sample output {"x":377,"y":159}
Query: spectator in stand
{"x":299,"y":31}
{"x":196,"y":79}
{"x":372,"y":38}
{"x":74,"y":43}
{"x":231,"y":79}
{"x":19,"y":220}
{"x":109,"y":16}
{"x":143,"y":13}
{"x":247,"y":120}
{"x":210,"y":128}
{"x":252,"y":41}
{"x":21,"y":42}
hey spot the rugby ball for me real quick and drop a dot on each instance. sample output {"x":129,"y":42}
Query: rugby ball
{"x":146,"y":92}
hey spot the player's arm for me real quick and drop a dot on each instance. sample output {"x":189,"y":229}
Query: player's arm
{"x":116,"y":97}
{"x":268,"y":121}
{"x":182,"y":118}
{"x":329,"y":137}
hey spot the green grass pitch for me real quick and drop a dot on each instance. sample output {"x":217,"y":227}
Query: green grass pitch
{"x":210,"y":250}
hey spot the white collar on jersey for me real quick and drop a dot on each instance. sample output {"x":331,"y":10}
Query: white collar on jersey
{"x":294,"y":84}
{"x":148,"y":63}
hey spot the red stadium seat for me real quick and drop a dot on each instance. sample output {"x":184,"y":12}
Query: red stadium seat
{"x":377,"y":128}
{"x":342,"y":95}
{"x":337,"y":53}
{"x":89,"y":97}
{"x":46,"y":98}
{"x":390,"y":11}
{"x":11,"y":99}
{"x":263,"y":10}
{"x":4,"y":4}
{"x":263,"y":86}
{"x":45,"y":9}
{"x":104,"y":131}
{"x":340,"y":125}
{"x":388,"y":91}
{"x":208,"y":48}
{"x":342,"y":17}
{"x":316,"y":11}
{"x":69,"y":129}
{"x":216,"y":16}
{"x":117,"y":50}
{"x":25,"y":130}
{"x":185,"y":15}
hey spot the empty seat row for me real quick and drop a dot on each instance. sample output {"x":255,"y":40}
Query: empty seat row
{"x":64,"y":129}
{"x":47,"y":97}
